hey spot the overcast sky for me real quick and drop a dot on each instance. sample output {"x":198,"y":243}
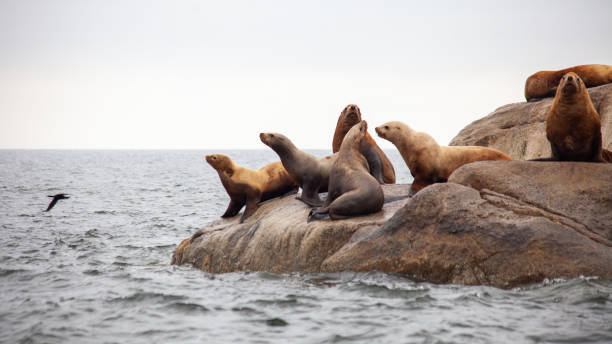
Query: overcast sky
{"x":200,"y":74}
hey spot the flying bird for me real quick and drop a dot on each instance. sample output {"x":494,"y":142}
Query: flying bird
{"x":55,"y":199}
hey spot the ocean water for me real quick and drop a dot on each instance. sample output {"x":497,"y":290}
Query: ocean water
{"x":95,"y":269}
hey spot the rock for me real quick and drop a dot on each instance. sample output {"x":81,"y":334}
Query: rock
{"x":277,"y":237}
{"x":519,"y":129}
{"x":499,"y":223}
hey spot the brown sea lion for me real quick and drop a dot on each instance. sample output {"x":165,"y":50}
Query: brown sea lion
{"x":429,"y":162}
{"x":573,"y":127}
{"x":544,"y":83}
{"x":246,"y":186}
{"x":353,"y":191}
{"x":309,"y":172}
{"x":380,"y":166}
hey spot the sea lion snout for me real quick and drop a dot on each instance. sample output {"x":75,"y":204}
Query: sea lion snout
{"x":212,"y":159}
{"x":270,"y":138}
{"x":570,"y":83}
{"x":382,"y":130}
{"x":352,"y":113}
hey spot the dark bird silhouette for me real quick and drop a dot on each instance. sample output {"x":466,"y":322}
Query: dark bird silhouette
{"x":55,"y":199}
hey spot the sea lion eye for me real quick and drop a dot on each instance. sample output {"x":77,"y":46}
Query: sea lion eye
{"x":386,"y":127}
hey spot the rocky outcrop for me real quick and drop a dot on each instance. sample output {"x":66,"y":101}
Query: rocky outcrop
{"x":499,"y":223}
{"x":519,"y":129}
{"x":277,"y":237}
{"x":496,"y":223}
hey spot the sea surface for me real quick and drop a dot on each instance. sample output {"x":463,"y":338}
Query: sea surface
{"x":95,"y":269}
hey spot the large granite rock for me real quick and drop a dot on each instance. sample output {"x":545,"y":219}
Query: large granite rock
{"x":499,"y":223}
{"x":519,"y":129}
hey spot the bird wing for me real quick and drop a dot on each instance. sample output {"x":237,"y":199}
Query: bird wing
{"x":52,"y":204}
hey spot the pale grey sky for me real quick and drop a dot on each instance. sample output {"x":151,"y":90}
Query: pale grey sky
{"x":213,"y":74}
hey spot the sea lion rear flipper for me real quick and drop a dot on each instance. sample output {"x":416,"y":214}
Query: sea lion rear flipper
{"x":317,"y":214}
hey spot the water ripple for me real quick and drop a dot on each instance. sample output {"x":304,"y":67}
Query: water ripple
{"x":95,"y":269}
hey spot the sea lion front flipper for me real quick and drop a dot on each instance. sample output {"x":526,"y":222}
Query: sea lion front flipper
{"x":251,"y":206}
{"x":417,"y":185}
{"x":310,"y":194}
{"x":233,"y":208}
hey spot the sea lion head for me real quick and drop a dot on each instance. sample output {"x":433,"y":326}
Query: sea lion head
{"x":349,"y":116}
{"x":273,"y":140}
{"x":219,"y":162}
{"x":390,"y":130}
{"x":570,"y":84}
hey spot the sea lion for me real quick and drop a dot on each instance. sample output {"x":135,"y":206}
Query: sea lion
{"x":246,"y":186}
{"x":544,"y":83}
{"x":380,"y":166}
{"x":309,"y":172}
{"x":573,"y":127}
{"x":353,"y":191}
{"x":429,"y":162}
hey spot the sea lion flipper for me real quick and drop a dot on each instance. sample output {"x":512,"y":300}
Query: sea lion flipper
{"x":233,"y":208}
{"x":318,"y":213}
{"x":310,"y":194}
{"x":251,"y":207}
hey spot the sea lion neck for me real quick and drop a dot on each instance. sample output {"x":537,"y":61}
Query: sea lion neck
{"x":285,"y":150}
{"x":350,"y":143}
{"x":341,"y":130}
{"x":228,"y":167}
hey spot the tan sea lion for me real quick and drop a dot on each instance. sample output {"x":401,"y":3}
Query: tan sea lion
{"x":246,"y":186}
{"x":429,"y":162}
{"x":573,"y":127}
{"x":380,"y":166}
{"x":544,"y":83}
{"x":353,"y":191}
{"x":310,"y":172}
